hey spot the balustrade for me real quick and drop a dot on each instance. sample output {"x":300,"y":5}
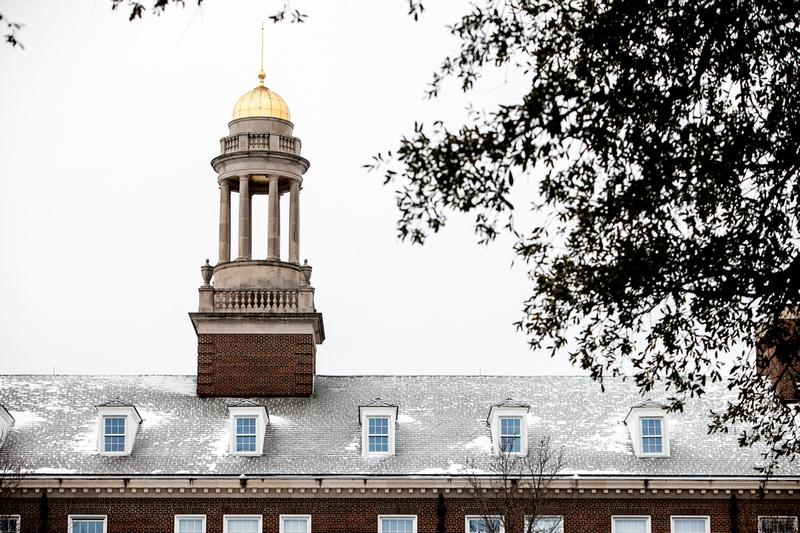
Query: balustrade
{"x":255,"y":300}
{"x":261,"y":141}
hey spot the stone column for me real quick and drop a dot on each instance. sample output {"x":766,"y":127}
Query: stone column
{"x":274,"y":230}
{"x":224,"y":222}
{"x":294,"y":221}
{"x":245,"y":224}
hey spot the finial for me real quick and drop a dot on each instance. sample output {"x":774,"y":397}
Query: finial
{"x":261,"y":73}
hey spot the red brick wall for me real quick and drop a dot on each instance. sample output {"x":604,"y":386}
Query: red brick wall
{"x":360,"y":515}
{"x":778,"y":358}
{"x":247,"y":365}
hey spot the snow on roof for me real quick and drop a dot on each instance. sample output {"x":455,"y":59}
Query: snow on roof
{"x":319,"y":436}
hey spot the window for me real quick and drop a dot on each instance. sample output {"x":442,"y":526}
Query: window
{"x":777,"y":524}
{"x":507,"y":422}
{"x":546,"y":524}
{"x":247,"y":424}
{"x":652,"y":436}
{"x":114,"y":434}
{"x":190,"y":524}
{"x":511,"y":434}
{"x":117,"y":425}
{"x":295,"y":524}
{"x":630,"y":524}
{"x":241,"y":524}
{"x":690,"y":524}
{"x":9,"y":524}
{"x":245,"y":434}
{"x":86,"y":524}
{"x":378,"y":434}
{"x":397,"y":524}
{"x":480,"y":524}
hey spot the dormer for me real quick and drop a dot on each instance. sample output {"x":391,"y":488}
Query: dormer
{"x":647,"y":423}
{"x":377,"y":420}
{"x":248,"y":427}
{"x":509,"y":425}
{"x":6,"y":422}
{"x":117,"y":424}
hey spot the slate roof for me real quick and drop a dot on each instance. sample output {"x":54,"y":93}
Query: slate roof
{"x":441,"y":426}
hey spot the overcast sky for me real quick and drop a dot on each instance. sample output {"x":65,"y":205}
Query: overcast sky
{"x":109,"y":205}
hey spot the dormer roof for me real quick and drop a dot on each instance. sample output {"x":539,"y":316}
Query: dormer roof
{"x":374,"y":404}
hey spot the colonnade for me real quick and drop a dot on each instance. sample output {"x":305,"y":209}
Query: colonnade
{"x":246,"y":224}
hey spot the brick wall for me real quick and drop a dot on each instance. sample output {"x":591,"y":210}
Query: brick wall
{"x":778,"y":350}
{"x":360,"y":515}
{"x":247,"y":365}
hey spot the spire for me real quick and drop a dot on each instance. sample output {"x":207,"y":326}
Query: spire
{"x":261,"y":73}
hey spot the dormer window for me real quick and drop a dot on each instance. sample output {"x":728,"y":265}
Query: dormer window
{"x":118,"y":423}
{"x":648,"y":427}
{"x":378,"y":434}
{"x":508,"y":423}
{"x":511,"y":434}
{"x":246,"y":434}
{"x":248,"y":423}
{"x":113,"y":434}
{"x":378,"y":420}
{"x":652,"y":435}
{"x":6,"y":421}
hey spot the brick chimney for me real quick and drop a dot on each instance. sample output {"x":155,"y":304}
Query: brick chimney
{"x":778,"y":357}
{"x":257,"y":327}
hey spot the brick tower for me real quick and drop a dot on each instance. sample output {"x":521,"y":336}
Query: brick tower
{"x":257,"y":327}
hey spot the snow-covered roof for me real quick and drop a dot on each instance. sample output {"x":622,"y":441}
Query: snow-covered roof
{"x":442,"y":426}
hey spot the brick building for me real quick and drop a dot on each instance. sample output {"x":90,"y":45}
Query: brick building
{"x":258,"y":442}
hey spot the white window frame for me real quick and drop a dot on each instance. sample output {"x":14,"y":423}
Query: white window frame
{"x":236,"y":434}
{"x":501,"y":435}
{"x":226,"y":517}
{"x":707,"y":518}
{"x":132,"y":421}
{"x":560,"y":518}
{"x":479,"y":517}
{"x":387,"y":435}
{"x":791,"y":517}
{"x":124,"y":434}
{"x":259,"y":412}
{"x":630,"y":517}
{"x":642,"y":436}
{"x":498,"y":412}
{"x":382,"y":517}
{"x":71,"y":518}
{"x":15,"y":516}
{"x":178,"y":517}
{"x":282,"y":517}
{"x":634,"y":423}
{"x":368,"y":412}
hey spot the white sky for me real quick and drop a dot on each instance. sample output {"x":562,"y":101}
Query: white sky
{"x":109,"y":205}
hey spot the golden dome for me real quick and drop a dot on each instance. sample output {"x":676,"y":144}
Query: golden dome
{"x":261,"y":102}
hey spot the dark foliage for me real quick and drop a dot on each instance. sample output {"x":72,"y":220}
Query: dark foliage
{"x":663,"y":137}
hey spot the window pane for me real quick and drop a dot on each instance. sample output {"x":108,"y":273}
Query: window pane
{"x":630,"y":525}
{"x":651,"y":427}
{"x":246,"y":426}
{"x":511,"y":444}
{"x":510,"y":426}
{"x":87,"y":526}
{"x":114,"y":443}
{"x":549,"y":524}
{"x":397,"y":525}
{"x":243,"y":525}
{"x":378,"y":426}
{"x":651,"y":445}
{"x":190,"y":525}
{"x":689,"y":525}
{"x":379,"y":444}
{"x":114,"y":425}
{"x":778,"y":524}
{"x":481,"y":525}
{"x":9,"y":524}
{"x":295,"y":525}
{"x":245,"y":444}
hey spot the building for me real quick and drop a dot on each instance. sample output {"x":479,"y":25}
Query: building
{"x":257,"y":441}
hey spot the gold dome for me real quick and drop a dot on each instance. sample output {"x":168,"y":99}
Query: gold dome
{"x":261,"y":102}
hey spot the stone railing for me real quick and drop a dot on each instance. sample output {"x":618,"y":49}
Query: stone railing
{"x":260,"y":141}
{"x":256,"y":300}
